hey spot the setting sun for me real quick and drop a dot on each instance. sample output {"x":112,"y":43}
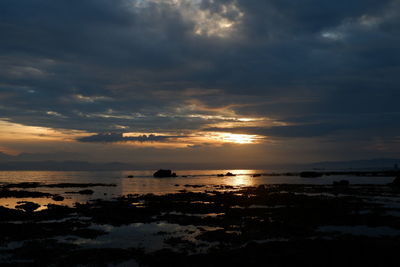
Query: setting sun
{"x":199,"y":133}
{"x":238,"y":138}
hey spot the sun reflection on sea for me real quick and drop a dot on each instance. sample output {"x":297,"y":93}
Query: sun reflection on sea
{"x":11,"y":203}
{"x":242,"y":178}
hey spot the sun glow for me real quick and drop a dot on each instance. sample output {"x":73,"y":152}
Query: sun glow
{"x":10,"y":131}
{"x":218,"y":20}
{"x":238,"y":138}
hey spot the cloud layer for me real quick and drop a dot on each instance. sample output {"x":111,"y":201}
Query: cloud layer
{"x":276,"y":68}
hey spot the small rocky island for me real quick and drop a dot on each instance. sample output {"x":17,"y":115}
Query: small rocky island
{"x":164,"y":174}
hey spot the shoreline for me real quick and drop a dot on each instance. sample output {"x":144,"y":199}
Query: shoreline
{"x":203,"y":228}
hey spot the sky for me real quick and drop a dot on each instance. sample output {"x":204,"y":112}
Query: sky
{"x":240,"y":82}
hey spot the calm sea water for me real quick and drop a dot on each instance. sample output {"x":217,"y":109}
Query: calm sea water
{"x":145,"y":235}
{"x":143,"y":182}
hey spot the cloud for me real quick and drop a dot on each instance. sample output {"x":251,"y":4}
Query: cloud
{"x":183,"y":66}
{"x":314,"y":130}
{"x":358,"y":127}
{"x":119,"y":137}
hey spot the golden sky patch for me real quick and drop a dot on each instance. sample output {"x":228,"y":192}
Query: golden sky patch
{"x":13,"y":131}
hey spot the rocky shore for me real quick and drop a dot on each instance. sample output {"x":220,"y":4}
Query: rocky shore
{"x":282,"y":225}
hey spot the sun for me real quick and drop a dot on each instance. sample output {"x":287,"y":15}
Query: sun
{"x":238,"y":138}
{"x":232,"y":138}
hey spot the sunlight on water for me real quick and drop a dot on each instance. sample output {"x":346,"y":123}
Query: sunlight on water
{"x":43,"y":202}
{"x":143,"y":182}
{"x":242,"y":178}
{"x":242,"y":181}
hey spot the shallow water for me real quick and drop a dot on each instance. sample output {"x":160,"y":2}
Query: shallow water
{"x":189,"y":223}
{"x":144,"y":183}
{"x":150,"y":236}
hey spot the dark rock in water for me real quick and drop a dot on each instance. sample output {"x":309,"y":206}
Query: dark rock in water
{"x":396,"y":181}
{"x":256,"y":175}
{"x":261,"y":188}
{"x":341,"y":183}
{"x":65,"y":185}
{"x":193,"y":185}
{"x":27,"y":206}
{"x":82,"y":192}
{"x":58,"y":198}
{"x":88,"y":233}
{"x":218,"y":236}
{"x":130,"y":176}
{"x":227,"y":174}
{"x":86,"y":192}
{"x":23,"y":185}
{"x":164,"y":173}
{"x":310,"y":174}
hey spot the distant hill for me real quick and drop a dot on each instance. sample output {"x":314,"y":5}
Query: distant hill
{"x":383,"y":163}
{"x":55,"y":156}
{"x":65,"y":161}
{"x":64,"y":166}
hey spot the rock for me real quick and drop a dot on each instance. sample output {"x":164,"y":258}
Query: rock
{"x":27,"y":206}
{"x":82,"y":192}
{"x":310,"y":174}
{"x":130,"y":176}
{"x":261,"y":188}
{"x":58,"y":198}
{"x":256,"y":175}
{"x":220,"y":175}
{"x":230,"y":174}
{"x":341,"y":183}
{"x":86,"y":192}
{"x":164,"y":173}
{"x":396,"y":181}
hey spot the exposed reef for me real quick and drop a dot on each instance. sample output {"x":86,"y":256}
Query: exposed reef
{"x":164,"y":174}
{"x":283,"y":224}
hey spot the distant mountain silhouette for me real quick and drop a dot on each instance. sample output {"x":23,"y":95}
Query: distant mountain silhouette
{"x":56,"y":161}
{"x":4,"y":156}
{"x":64,"y":166}
{"x":380,"y":163}
{"x":56,"y":156}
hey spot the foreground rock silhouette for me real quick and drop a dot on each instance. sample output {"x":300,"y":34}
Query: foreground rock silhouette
{"x":164,"y":173}
{"x":396,"y":182}
{"x":27,"y":206}
{"x":341,"y":183}
{"x":242,"y":226}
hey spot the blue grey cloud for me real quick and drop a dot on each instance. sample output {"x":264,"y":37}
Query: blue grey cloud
{"x":95,"y":65}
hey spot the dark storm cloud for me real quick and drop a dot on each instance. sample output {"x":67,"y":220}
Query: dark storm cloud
{"x":96,"y":65}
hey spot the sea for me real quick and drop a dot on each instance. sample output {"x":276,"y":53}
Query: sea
{"x":143,"y":182}
{"x":147,"y":235}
